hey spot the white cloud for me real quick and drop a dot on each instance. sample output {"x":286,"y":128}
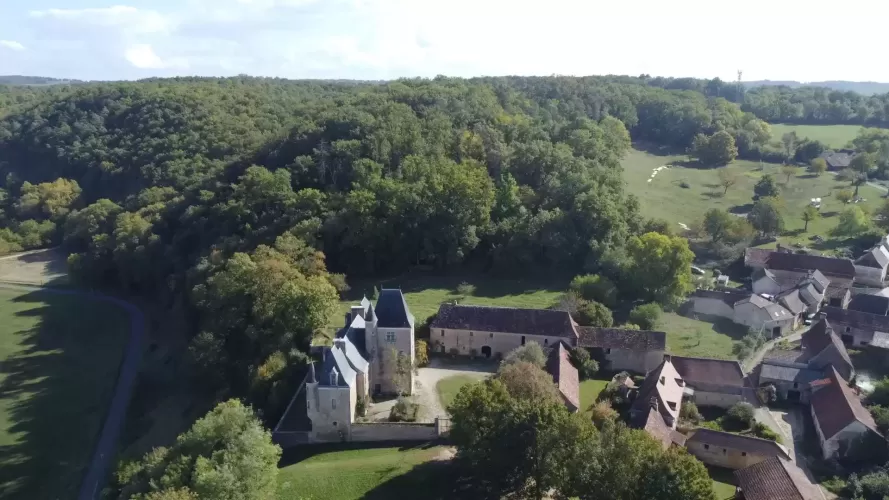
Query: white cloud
{"x":119,"y":16}
{"x":143,"y":56}
{"x":11,"y":45}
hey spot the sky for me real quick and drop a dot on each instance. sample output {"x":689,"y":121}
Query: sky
{"x":386,"y":39}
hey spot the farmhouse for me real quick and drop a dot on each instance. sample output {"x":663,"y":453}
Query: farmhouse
{"x":625,"y":350}
{"x":774,"y":479}
{"x":785,"y":268}
{"x":733,"y":451}
{"x":859,"y":328}
{"x":838,"y":160}
{"x":743,"y":308}
{"x":871,"y":304}
{"x":662,"y":392}
{"x":713,"y":382}
{"x":494,"y":331}
{"x":792,"y":372}
{"x":565,"y":376}
{"x":870,"y":268}
{"x":839,"y":417}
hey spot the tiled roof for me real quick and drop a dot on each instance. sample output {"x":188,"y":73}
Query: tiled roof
{"x":824,"y":347}
{"x":756,"y":257}
{"x":775,"y":479}
{"x":775,"y":311}
{"x":668,"y":391}
{"x":749,"y":444}
{"x":837,"y":159}
{"x":730,"y":297}
{"x":838,"y":287}
{"x":564,"y":374}
{"x":618,"y":338}
{"x":658,"y":429}
{"x":829,"y":266}
{"x":792,"y":356}
{"x":873,"y":304}
{"x":835,"y":406}
{"x":709,"y":371}
{"x":392,"y":310}
{"x":791,"y":300}
{"x":505,"y":320}
{"x":875,"y":257}
{"x":770,"y":370}
{"x":857,"y":319}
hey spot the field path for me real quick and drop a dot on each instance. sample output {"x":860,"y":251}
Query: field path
{"x":94,"y":479}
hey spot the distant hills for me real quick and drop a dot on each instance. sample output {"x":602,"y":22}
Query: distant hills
{"x":866,"y":88}
{"x":33,"y":80}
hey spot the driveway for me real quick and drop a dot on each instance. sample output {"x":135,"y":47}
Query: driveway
{"x":106,"y":447}
{"x":438,"y":369}
{"x":790,"y":424}
{"x":750,"y":363}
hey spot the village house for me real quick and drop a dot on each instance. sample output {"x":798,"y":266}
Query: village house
{"x":565,"y":376}
{"x":792,"y":372}
{"x":744,"y":308}
{"x":711,"y":382}
{"x":635,"y":351}
{"x":774,"y":479}
{"x":839,"y":417}
{"x":839,"y":159}
{"x":662,"y":392}
{"x":732,"y":451}
{"x":787,"y":267}
{"x":365,"y":358}
{"x":857,"y":328}
{"x":871,"y":304}
{"x":494,"y":331}
{"x":870,"y":268}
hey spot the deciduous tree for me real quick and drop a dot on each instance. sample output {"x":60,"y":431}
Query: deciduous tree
{"x":818,"y":166}
{"x":727,"y":179}
{"x":659,"y":267}
{"x":765,"y":187}
{"x":765,"y":217}
{"x":810,"y":214}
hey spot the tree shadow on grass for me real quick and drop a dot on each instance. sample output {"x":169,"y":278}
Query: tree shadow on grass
{"x":434,"y":480}
{"x":297,"y":454}
{"x":485,"y":285}
{"x":55,"y":387}
{"x":712,"y":195}
{"x":741,"y":209}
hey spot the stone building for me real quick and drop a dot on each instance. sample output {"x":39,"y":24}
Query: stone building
{"x":732,"y":451}
{"x":840,"y":419}
{"x":775,"y":479}
{"x":635,"y":351}
{"x":857,"y":328}
{"x":711,"y":382}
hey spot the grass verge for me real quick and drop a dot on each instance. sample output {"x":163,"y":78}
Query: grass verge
{"x":447,"y":388}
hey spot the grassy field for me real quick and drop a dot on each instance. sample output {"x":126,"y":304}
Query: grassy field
{"x":59,"y":357}
{"x":425,"y":292}
{"x":589,"y":390}
{"x":356,"y":474}
{"x":664,"y":197}
{"x":835,"y":136}
{"x":447,"y":388}
{"x":716,"y":340}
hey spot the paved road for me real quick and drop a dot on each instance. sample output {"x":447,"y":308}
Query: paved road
{"x":94,"y":480}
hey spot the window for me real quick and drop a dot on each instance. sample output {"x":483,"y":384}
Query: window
{"x":743,"y":453}
{"x":308,"y":405}
{"x":470,"y":334}
{"x":607,"y":350}
{"x":672,"y":405}
{"x":442,"y":333}
{"x":390,"y":337}
{"x":333,"y":404}
{"x":523,"y":340}
{"x":545,"y":341}
{"x":724,"y":451}
{"x":334,"y":423}
{"x":491,"y":335}
{"x":706,"y":446}
{"x":795,"y":385}
{"x":333,"y":378}
{"x":663,"y":380}
{"x":848,"y":329}
{"x":864,"y":343}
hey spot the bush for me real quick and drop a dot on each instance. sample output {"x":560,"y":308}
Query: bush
{"x":530,"y":352}
{"x":590,"y":313}
{"x":835,"y":485}
{"x":601,"y":413}
{"x":646,"y":316}
{"x":403,"y":411}
{"x":761,"y":430}
{"x":740,"y":414}
{"x":361,"y":405}
{"x":684,"y":185}
{"x":881,"y":417}
{"x":465,"y":289}
{"x":767,"y":394}
{"x":689,"y":411}
{"x":595,"y":287}
{"x":586,"y":366}
{"x":421,"y":353}
{"x":749,"y":344}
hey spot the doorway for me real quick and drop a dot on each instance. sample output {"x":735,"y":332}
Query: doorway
{"x":793,"y":396}
{"x":486,"y":351}
{"x":776,"y":332}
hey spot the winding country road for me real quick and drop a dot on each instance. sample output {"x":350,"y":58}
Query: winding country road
{"x":94,"y":480}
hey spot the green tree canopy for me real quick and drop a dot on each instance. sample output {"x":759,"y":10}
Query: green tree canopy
{"x":659,"y":267}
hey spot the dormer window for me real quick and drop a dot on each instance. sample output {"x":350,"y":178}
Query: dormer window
{"x":672,"y":405}
{"x":333,"y":377}
{"x":679,"y":382}
{"x":663,"y":380}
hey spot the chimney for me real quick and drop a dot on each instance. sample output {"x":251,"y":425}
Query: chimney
{"x":822,"y":315}
{"x":668,"y":358}
{"x":357,"y":311}
{"x":339,"y":344}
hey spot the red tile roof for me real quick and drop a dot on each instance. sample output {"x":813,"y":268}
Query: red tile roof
{"x":775,"y":479}
{"x":618,"y":338}
{"x":835,"y":406}
{"x":564,"y":375}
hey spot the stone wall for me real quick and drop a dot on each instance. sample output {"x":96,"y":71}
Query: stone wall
{"x":481,"y":343}
{"x":393,"y":431}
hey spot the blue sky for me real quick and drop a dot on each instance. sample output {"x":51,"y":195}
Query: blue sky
{"x":383,"y":39}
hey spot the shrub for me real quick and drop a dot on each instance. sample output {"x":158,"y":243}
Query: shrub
{"x":684,"y":185}
{"x":741,"y":414}
{"x":881,"y":417}
{"x":361,"y":405}
{"x":586,"y":366}
{"x":465,"y":289}
{"x":453,"y":351}
{"x":421,"y":353}
{"x":646,"y":316}
{"x":835,"y":485}
{"x":602,"y":412}
{"x":749,"y":344}
{"x":530,"y":352}
{"x":767,"y":393}
{"x":689,"y":411}
{"x":591,"y":313}
{"x":403,"y":411}
{"x":595,"y":287}
{"x":710,"y":425}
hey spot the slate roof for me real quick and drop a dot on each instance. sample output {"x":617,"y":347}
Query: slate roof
{"x":392,"y":310}
{"x":794,"y":374}
{"x":838,"y":288}
{"x":792,"y":301}
{"x":824,"y":347}
{"x":875,"y":257}
{"x":756,"y":257}
{"x":774,"y":310}
{"x":564,"y":375}
{"x":835,"y":406}
{"x":356,"y":359}
{"x":506,"y":320}
{"x":829,"y":266}
{"x":816,"y":338}
{"x":730,"y":297}
{"x":335,"y":362}
{"x":873,"y":304}
{"x":355,"y":333}
{"x":857,"y":319}
{"x":709,"y":371}
{"x":775,"y":479}
{"x":749,"y":444}
{"x":837,"y":160}
{"x":618,"y":338}
{"x":785,"y":356}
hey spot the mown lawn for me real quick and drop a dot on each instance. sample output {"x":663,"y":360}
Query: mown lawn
{"x":425,"y":292}
{"x":664,"y":198}
{"x":589,"y":390}
{"x":59,"y":359}
{"x":716,"y":339}
{"x":447,"y":388}
{"x":835,"y":136}
{"x":354,"y":474}
{"x":723,"y":482}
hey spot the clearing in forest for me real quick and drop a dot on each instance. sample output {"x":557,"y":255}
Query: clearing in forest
{"x":834,"y":136}
{"x":59,"y":359}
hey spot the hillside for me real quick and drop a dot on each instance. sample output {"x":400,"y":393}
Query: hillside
{"x":33,"y":80}
{"x":863,"y":88}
